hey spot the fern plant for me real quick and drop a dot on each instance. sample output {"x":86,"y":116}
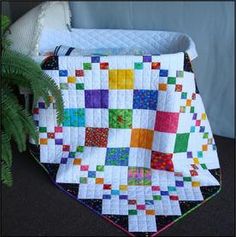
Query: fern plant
{"x":17,"y":124}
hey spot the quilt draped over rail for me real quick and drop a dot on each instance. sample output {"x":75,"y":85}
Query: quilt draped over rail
{"x":135,"y":145}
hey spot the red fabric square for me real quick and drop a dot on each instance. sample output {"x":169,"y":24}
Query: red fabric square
{"x":107,"y":186}
{"x":104,"y":66}
{"x":193,"y":173}
{"x":156,"y":188}
{"x":161,"y":161}
{"x":79,"y":73}
{"x":66,"y":148}
{"x":198,"y":122}
{"x":174,"y":198}
{"x":166,"y":122}
{"x":51,"y":135}
{"x":96,"y":137}
{"x":58,"y":129}
{"x":156,"y":65}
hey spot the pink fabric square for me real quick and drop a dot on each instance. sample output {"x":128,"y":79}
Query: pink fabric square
{"x":166,"y":122}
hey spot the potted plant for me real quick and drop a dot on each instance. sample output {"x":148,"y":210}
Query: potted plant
{"x":20,"y":71}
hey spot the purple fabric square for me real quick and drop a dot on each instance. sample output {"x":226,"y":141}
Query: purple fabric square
{"x":147,"y":58}
{"x":58,"y":141}
{"x":179,"y":183}
{"x":194,"y":116}
{"x":96,"y":98}
{"x":41,"y":105}
{"x":63,"y":160}
{"x":189,"y":154}
{"x":123,"y":197}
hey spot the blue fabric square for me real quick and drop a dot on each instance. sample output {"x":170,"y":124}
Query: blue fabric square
{"x":164,"y":193}
{"x":63,"y":73}
{"x":117,"y":156}
{"x":163,"y":73}
{"x":74,"y":118}
{"x":95,"y":59}
{"x":92,"y":174}
{"x":145,"y":99}
{"x":115,"y":192}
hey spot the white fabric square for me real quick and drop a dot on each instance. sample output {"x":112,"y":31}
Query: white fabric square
{"x":121,"y":99}
{"x":115,"y":135}
{"x":163,"y":142}
{"x":144,"y":119}
{"x":97,"y":118}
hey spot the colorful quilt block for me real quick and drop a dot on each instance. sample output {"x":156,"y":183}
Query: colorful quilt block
{"x":139,"y":176}
{"x":166,"y":122}
{"x":117,"y":156}
{"x":145,"y":99}
{"x":96,"y":137}
{"x":162,"y":161}
{"x":74,"y":117}
{"x":121,"y":79}
{"x":96,"y":98}
{"x":120,"y":118}
{"x":142,"y":138}
{"x":181,"y":142}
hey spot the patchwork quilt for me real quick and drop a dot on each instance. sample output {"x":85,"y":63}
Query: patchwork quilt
{"x":135,"y":145}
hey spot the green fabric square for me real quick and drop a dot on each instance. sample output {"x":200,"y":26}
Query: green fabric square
{"x":63,"y":86}
{"x":79,"y":86}
{"x":171,"y":189}
{"x":80,"y":149}
{"x":181,"y":142}
{"x":180,"y":74}
{"x":171,"y":80}
{"x":199,"y":154}
{"x":132,"y":212}
{"x":120,"y":118}
{"x":87,"y":66}
{"x":205,"y":135}
{"x":83,"y":180}
{"x":204,"y":166}
{"x":187,"y":179}
{"x":184,"y":95}
{"x":100,"y":168}
{"x":42,"y":129}
{"x":138,"y":65}
{"x":192,"y":109}
{"x":157,"y":197}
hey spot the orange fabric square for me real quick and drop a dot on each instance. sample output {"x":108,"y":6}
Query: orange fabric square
{"x":162,"y":87}
{"x":150,"y":212}
{"x":43,"y":141}
{"x":204,"y":147}
{"x":77,"y":161}
{"x":142,"y":138}
{"x":188,"y":102}
{"x":99,"y":180}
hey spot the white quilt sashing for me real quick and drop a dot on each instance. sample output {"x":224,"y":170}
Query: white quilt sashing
{"x":135,"y":144}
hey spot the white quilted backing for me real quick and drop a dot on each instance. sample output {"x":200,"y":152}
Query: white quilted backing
{"x":153,"y":42}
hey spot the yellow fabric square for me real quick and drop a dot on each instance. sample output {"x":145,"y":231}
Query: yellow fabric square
{"x":121,"y":79}
{"x":203,"y":116}
{"x":196,"y":161}
{"x":123,"y":187}
{"x":71,"y":79}
{"x":195,"y":184}
{"x":142,"y":138}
